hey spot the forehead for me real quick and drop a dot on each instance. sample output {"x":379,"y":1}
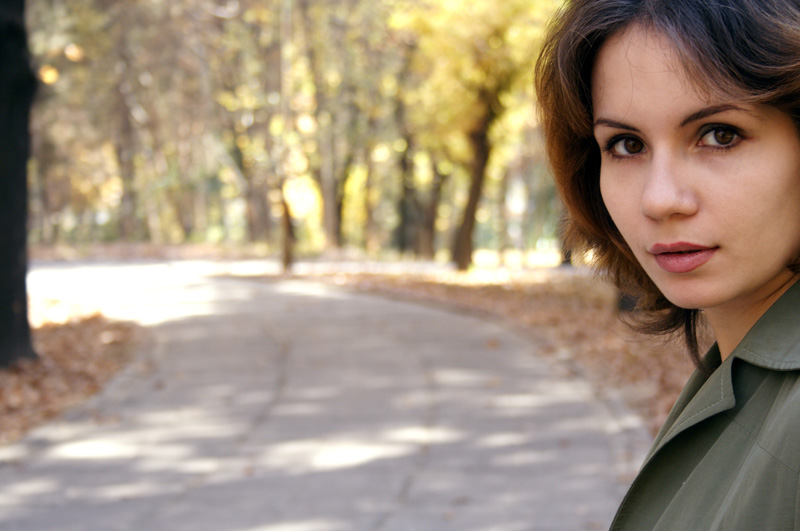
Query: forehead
{"x":641,"y":68}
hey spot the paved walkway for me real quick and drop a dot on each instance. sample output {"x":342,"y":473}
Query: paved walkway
{"x":292,"y":406}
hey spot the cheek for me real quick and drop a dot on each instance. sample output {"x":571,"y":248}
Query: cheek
{"x":617,"y":201}
{"x":606,"y":193}
{"x":621,"y":201}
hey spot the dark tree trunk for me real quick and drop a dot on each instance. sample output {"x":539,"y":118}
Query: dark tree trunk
{"x":406,"y":232}
{"x":338,"y":219}
{"x":427,"y":233}
{"x":503,"y":239}
{"x":289,"y":235}
{"x":481,"y":149}
{"x":407,"y":229}
{"x":17,"y":87}
{"x":350,"y":141}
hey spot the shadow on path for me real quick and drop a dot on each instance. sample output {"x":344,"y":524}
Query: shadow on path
{"x":292,"y":406}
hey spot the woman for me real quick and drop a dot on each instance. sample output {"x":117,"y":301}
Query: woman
{"x":673,"y":129}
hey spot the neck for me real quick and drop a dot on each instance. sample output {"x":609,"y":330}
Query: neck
{"x":730,"y":323}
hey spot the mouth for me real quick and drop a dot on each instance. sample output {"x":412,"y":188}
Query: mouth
{"x":681,"y":257}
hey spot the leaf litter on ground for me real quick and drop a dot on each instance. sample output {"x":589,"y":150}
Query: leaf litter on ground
{"x":75,"y":359}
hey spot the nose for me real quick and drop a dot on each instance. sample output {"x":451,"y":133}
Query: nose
{"x":669,"y":190}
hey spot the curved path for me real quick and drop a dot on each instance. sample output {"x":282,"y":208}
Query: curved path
{"x":293,"y":406}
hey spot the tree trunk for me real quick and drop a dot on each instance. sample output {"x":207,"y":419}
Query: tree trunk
{"x":406,"y":230}
{"x":341,"y":184}
{"x":325,"y":170}
{"x":370,"y":239}
{"x":503,"y":240}
{"x":17,"y":87}
{"x":257,"y":213}
{"x":481,"y":149}
{"x":289,"y":235}
{"x":257,"y":209}
{"x":124,"y":142}
{"x":124,"y":151}
{"x":284,"y":63}
{"x":427,"y":233}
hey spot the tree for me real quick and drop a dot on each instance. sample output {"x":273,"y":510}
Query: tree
{"x":17,"y":86}
{"x":473,"y":56}
{"x":349,"y":55}
{"x":385,"y":122}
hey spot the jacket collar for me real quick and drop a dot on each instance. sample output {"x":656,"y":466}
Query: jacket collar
{"x":772,"y":343}
{"x":702,"y":397}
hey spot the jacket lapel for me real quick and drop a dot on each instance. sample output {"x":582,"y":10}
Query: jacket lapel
{"x":714,"y":396}
{"x":773,"y":343}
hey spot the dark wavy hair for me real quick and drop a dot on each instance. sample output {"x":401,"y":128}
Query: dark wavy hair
{"x":747,"y":50}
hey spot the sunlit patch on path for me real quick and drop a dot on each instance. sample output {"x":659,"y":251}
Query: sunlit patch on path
{"x":294,"y":406}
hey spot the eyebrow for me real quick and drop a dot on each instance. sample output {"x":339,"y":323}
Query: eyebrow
{"x":614,"y":124}
{"x":710,"y":111}
{"x":699,"y":115}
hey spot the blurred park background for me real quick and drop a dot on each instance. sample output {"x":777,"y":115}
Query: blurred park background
{"x":296,"y":132}
{"x":292,"y":128}
{"x":242,"y":146}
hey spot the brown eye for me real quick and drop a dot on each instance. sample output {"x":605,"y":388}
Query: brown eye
{"x":624,"y":146}
{"x":632,"y":146}
{"x":721,"y":136}
{"x":724,"y":136}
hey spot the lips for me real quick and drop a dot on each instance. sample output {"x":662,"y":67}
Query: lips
{"x":681,"y":257}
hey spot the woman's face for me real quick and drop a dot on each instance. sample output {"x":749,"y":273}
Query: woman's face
{"x":705,"y":190}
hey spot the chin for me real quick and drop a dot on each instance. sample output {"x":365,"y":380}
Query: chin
{"x":686,"y":305}
{"x":688,"y":299}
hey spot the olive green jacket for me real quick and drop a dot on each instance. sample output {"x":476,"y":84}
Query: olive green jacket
{"x":728,"y":455}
